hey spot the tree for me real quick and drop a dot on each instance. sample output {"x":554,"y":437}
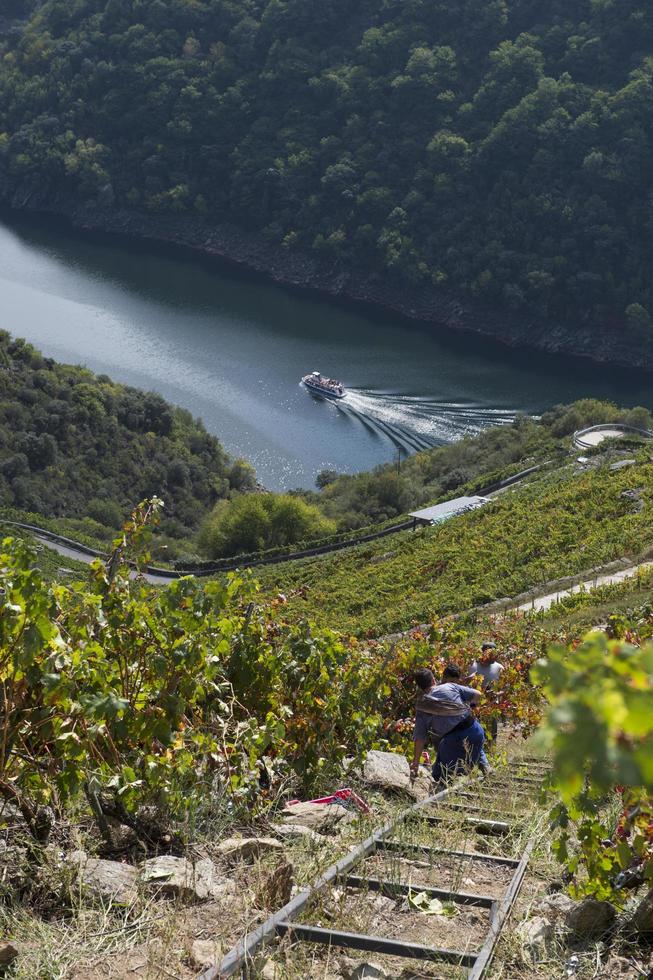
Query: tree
{"x":256,"y":522}
{"x":325,"y":477}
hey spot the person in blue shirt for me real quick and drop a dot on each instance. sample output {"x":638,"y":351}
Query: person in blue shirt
{"x":444,"y":713}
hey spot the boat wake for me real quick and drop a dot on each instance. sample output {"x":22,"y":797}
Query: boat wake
{"x":413,"y":423}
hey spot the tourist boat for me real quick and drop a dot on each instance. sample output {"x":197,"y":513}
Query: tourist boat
{"x":320,"y":385}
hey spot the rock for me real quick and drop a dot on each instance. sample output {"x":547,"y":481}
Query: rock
{"x":636,"y":497}
{"x":110,"y":881}
{"x":297,"y":830}
{"x":590,"y":919}
{"x":366,"y":971}
{"x":246,"y":848}
{"x":554,"y":907}
{"x":270,"y":971}
{"x":15,"y":869}
{"x":422,"y":786}
{"x":387,"y":770}
{"x":10,"y":814}
{"x":8,"y":953}
{"x":535,"y":934}
{"x":122,"y":838}
{"x":205,"y":953}
{"x":622,"y":464}
{"x":180,"y":878}
{"x":320,"y":817}
{"x":616,"y":966}
{"x":642,"y":920}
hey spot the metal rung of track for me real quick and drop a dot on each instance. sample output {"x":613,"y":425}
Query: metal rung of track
{"x":283,"y":922}
{"x":476,"y":809}
{"x":493,"y":827}
{"x":509,"y":780}
{"x":374,"y":944}
{"x":394,"y":845}
{"x":394,"y":888}
{"x":514,"y":792}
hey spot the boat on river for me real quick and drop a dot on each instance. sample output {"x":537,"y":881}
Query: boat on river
{"x":319,"y":385}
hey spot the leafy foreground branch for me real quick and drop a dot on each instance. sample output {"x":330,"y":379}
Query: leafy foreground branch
{"x":161,"y":698}
{"x":160,"y":705}
{"x":600,"y":728}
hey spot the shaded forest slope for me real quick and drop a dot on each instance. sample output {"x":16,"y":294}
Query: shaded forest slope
{"x":497,"y":151}
{"x":76,"y":444}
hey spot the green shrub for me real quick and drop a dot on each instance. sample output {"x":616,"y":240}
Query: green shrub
{"x":105,"y":512}
{"x":258,"y":521}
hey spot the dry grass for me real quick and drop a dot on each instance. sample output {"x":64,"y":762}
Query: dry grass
{"x":155,"y":939}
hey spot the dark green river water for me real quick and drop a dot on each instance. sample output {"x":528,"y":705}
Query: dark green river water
{"x":232,"y":349}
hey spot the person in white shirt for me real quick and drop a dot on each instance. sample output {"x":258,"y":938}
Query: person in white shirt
{"x":488,"y":668}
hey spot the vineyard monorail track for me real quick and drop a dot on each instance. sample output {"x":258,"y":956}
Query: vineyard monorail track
{"x":283,"y":922}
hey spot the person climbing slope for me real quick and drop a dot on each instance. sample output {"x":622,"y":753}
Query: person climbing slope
{"x":488,"y":668}
{"x":445,"y":711}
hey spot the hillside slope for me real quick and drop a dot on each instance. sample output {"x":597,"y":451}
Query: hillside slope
{"x":77,"y":445}
{"x":570,"y":520}
{"x":498,"y":151}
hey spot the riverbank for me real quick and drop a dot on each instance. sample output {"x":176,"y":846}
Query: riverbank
{"x":290,"y":268}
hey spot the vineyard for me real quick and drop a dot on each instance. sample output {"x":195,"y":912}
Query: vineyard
{"x":178,"y":715}
{"x":562,"y":523}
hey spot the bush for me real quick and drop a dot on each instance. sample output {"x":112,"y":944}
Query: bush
{"x":105,"y":512}
{"x":242,"y":475}
{"x":324,"y":478}
{"x":256,"y":522}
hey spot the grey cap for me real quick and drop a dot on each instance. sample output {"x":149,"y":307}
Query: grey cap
{"x":489,"y":645}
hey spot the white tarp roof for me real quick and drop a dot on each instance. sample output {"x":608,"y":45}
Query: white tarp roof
{"x":440,"y":512}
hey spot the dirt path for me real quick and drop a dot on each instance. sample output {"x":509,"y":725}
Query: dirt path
{"x":546,"y":601}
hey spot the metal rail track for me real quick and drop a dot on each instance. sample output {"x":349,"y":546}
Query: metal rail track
{"x":283,"y":923}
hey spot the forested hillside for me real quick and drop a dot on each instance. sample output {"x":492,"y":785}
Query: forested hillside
{"x":76,"y":444}
{"x":496,"y":148}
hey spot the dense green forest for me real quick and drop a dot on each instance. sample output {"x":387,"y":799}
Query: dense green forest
{"x":500,"y":148}
{"x":77,"y":445}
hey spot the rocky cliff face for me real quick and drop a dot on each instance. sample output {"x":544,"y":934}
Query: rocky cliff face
{"x":595,"y":340}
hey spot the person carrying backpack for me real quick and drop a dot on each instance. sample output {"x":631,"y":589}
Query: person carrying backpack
{"x":444,"y":712}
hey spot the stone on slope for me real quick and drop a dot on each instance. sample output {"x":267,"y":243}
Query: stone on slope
{"x":297,"y":830}
{"x":8,"y":953}
{"x":323,"y":818}
{"x":387,"y":770}
{"x":367,"y":971}
{"x":422,"y":786}
{"x":590,"y":919}
{"x":247,"y":848}
{"x":110,"y":881}
{"x":205,"y":953}
{"x":535,"y":934}
{"x":555,"y":907}
{"x":642,"y":920}
{"x":351,"y":969}
{"x":179,"y":878}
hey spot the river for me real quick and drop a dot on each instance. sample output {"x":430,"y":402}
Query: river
{"x":232,"y":348}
